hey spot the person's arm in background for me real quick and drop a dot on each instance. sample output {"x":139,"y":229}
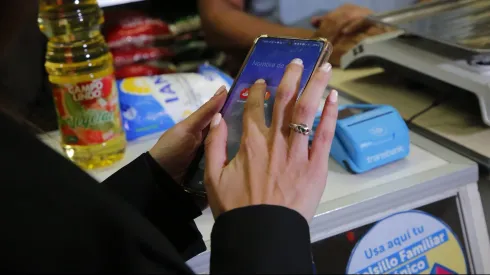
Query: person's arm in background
{"x":227,"y":25}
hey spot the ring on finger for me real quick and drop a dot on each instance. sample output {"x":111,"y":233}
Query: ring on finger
{"x":300,"y":128}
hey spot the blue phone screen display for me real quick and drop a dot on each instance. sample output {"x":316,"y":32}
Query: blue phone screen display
{"x":268,"y":60}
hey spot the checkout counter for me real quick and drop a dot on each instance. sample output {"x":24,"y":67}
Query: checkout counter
{"x":432,"y":179}
{"x":443,"y":49}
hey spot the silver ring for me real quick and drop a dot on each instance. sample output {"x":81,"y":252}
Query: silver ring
{"x":300,"y":128}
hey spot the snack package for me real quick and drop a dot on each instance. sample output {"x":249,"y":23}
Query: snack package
{"x":124,"y":57}
{"x":152,"y":104}
{"x":212,"y":74}
{"x":149,"y":68}
{"x":129,"y":29}
{"x":135,"y":30}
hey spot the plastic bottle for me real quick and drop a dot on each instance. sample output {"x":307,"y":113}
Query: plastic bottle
{"x":80,"y":69}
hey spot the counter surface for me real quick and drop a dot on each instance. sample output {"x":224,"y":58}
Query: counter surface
{"x":429,"y":173}
{"x":343,"y":189}
{"x":455,"y":123}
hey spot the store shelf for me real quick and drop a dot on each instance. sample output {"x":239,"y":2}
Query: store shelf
{"x":108,"y":3}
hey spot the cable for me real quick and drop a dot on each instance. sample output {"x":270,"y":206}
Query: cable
{"x":435,"y":103}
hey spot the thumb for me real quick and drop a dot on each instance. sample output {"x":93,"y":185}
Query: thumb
{"x":215,"y":149}
{"x":200,"y":119}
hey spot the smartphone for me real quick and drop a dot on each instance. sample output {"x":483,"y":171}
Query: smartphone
{"x":267,"y":59}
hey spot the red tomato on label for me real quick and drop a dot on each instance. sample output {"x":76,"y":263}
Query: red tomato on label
{"x":107,"y":81}
{"x":67,"y":131}
{"x":93,"y":136}
{"x":87,"y":104}
{"x":110,"y":107}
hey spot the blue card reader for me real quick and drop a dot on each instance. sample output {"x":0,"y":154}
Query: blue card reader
{"x":368,"y":136}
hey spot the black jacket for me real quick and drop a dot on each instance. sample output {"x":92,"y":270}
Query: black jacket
{"x":56,"y":219}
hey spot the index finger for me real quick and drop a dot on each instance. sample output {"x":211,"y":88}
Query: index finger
{"x":254,"y":106}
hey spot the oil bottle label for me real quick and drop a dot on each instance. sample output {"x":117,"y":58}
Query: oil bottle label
{"x":88,"y":112}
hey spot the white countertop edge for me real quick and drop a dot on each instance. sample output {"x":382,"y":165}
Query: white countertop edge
{"x":357,"y":209}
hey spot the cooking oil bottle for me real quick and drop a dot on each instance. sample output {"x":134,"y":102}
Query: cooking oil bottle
{"x":80,"y":69}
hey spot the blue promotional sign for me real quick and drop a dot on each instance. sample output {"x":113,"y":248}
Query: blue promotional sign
{"x":411,"y":242}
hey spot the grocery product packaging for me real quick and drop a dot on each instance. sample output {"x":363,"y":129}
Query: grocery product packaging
{"x":151,"y":104}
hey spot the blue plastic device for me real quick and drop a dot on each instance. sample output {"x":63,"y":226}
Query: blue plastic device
{"x":368,"y":136}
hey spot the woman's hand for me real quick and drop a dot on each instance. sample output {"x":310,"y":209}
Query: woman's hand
{"x":345,"y":27}
{"x":344,"y":20}
{"x":346,"y":42}
{"x":274,"y":165}
{"x":177,"y":147}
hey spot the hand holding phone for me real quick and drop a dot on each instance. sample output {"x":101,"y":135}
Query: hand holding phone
{"x":274,"y":165}
{"x":267,"y":60}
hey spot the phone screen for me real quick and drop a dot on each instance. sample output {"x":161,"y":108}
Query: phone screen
{"x":267,"y":60}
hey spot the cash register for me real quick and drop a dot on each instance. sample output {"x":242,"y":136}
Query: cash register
{"x":445,"y":43}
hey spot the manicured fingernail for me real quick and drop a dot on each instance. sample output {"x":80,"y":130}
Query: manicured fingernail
{"x":216,"y":120}
{"x":259,"y":81}
{"x":326,"y":67}
{"x":333,"y":96}
{"x":297,"y":61}
{"x":220,"y":90}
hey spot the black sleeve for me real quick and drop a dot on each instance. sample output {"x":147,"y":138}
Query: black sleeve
{"x":57,"y":219}
{"x":145,"y":185}
{"x":261,"y":239}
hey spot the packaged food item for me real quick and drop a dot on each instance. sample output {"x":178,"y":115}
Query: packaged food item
{"x":186,"y":25}
{"x":80,"y":68}
{"x":149,"y":68}
{"x":212,"y":73}
{"x":129,"y":56}
{"x":152,"y":104}
{"x":136,"y":30}
{"x":133,"y":29}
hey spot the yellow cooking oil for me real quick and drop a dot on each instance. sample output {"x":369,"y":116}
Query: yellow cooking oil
{"x":80,"y":69}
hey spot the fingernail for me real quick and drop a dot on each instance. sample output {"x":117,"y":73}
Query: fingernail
{"x":297,"y":61}
{"x":220,"y":90}
{"x":333,"y":96}
{"x":216,"y":120}
{"x":259,"y":81}
{"x":326,"y":67}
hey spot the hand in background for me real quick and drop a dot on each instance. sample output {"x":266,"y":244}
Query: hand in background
{"x":347,"y":42}
{"x":344,"y":20}
{"x":274,"y":165}
{"x":177,"y":147}
{"x":345,"y":27}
